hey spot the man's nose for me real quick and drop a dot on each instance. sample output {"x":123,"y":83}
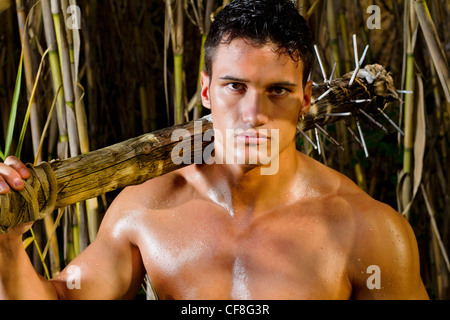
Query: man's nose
{"x":255,"y":109}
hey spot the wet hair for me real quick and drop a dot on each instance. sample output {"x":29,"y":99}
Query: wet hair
{"x":261,"y":22}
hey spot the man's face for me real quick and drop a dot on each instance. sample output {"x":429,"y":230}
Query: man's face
{"x":254,"y":93}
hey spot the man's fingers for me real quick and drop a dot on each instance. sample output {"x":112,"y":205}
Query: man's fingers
{"x":4,"y":188}
{"x":11,"y":174}
{"x":11,"y":177}
{"x":18,"y":166}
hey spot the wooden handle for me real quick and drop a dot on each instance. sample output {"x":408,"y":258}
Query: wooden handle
{"x":63,"y":182}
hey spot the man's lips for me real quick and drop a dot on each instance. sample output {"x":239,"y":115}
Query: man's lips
{"x":253,"y":137}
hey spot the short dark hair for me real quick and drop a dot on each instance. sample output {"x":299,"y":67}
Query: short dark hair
{"x":261,"y":22}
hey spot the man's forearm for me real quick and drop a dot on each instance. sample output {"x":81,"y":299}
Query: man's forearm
{"x":18,"y":279}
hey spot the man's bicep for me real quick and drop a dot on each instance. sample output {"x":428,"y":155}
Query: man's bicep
{"x":95,"y":274}
{"x":109,"y":268}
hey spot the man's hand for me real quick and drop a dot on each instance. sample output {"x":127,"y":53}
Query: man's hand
{"x":12,"y":174}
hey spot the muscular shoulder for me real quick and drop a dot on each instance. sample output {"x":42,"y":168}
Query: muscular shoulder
{"x":155,"y":193}
{"x":384,"y":247}
{"x":377,"y":237}
{"x":135,"y":204}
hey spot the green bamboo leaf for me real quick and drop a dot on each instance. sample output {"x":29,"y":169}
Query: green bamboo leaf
{"x":13,"y":114}
{"x":30,"y":103}
{"x":39,"y":253}
{"x":27,"y":242}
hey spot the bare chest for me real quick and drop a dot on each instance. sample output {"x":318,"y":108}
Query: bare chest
{"x":202,"y":253}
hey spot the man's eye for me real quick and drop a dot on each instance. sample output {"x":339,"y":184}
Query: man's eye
{"x":235,"y":86}
{"x":279,"y":91}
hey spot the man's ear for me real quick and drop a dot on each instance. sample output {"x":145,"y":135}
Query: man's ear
{"x":204,"y":81}
{"x":307,"y":96}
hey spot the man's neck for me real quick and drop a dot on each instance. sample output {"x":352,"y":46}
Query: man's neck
{"x":244,"y":191}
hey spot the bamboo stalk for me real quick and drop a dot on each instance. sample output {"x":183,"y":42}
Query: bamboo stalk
{"x":58,"y":87}
{"x":178,"y":63}
{"x":311,"y":9}
{"x":178,"y":71}
{"x":80,"y":112}
{"x":6,"y":72}
{"x":434,"y":45}
{"x":67,"y":81}
{"x":334,"y":44}
{"x":201,"y":65}
{"x":343,"y":17}
{"x":345,"y":38}
{"x":145,"y":116}
{"x":28,"y":71}
{"x":3,"y":101}
{"x":408,"y":113}
{"x":91,"y":90}
{"x":91,"y":206}
{"x":435,"y":228}
{"x":56,"y":78}
{"x":86,"y":212}
{"x":203,"y":25}
{"x":174,"y":21}
{"x":336,"y":61}
{"x":13,"y":112}
{"x":78,"y":211}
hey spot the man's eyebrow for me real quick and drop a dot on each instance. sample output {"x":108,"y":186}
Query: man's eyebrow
{"x":283,"y":84}
{"x":275,"y":84}
{"x":231,"y":78}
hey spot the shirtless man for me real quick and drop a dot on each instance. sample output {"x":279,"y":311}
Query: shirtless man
{"x":225,"y":231}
